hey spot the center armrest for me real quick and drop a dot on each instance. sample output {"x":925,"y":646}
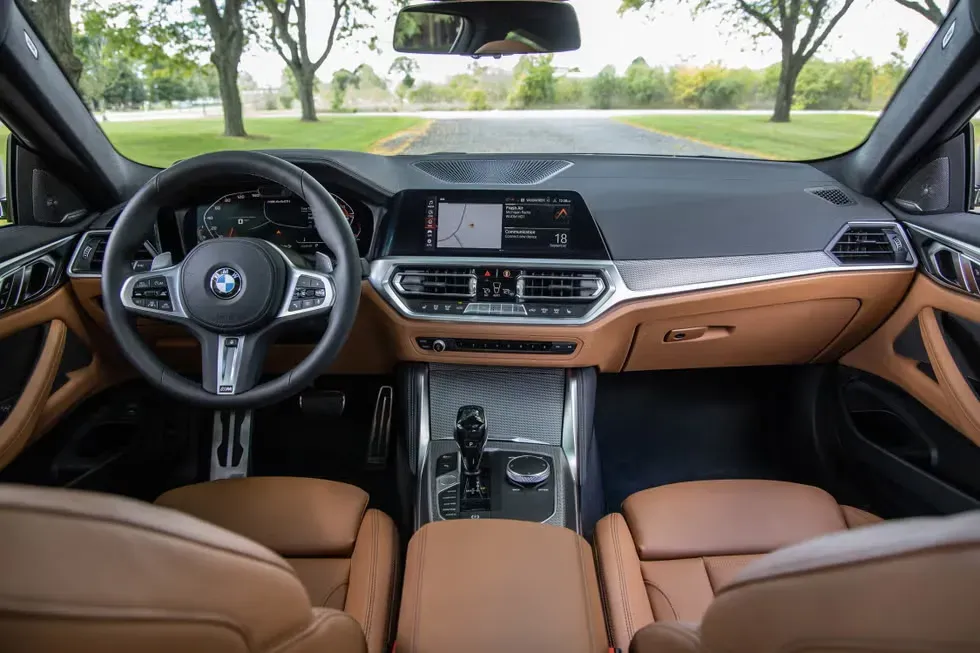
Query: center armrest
{"x":499,"y":585}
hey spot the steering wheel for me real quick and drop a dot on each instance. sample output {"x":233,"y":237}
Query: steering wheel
{"x":233,"y":294}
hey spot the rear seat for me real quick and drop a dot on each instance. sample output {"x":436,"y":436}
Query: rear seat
{"x":674,"y":547}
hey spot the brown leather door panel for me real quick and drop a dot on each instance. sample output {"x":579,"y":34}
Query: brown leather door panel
{"x":949,"y":394}
{"x":38,"y":409}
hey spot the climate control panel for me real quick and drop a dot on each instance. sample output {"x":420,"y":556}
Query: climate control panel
{"x":497,"y":291}
{"x":439,"y":345}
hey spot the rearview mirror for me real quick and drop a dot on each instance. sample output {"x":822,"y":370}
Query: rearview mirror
{"x":487,"y":28}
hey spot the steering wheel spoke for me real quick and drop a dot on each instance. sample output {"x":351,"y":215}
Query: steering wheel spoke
{"x":231,"y":363}
{"x":155,"y":294}
{"x":308,"y":293}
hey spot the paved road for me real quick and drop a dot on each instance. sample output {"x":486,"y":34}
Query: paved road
{"x":533,"y":136}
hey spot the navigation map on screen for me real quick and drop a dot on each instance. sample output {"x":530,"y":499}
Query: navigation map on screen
{"x":470,"y":226}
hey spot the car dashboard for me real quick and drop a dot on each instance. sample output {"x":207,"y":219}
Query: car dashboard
{"x":618,"y":262}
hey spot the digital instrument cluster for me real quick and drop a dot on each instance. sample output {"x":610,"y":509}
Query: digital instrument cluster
{"x":276,"y":215}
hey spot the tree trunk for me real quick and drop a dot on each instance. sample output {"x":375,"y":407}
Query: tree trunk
{"x":231,"y":100}
{"x":53,"y":20}
{"x":305,"y":87}
{"x":789,"y":70}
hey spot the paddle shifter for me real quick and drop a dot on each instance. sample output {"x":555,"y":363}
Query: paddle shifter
{"x":471,"y":438}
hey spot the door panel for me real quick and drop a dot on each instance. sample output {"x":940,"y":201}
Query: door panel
{"x":946,"y":392}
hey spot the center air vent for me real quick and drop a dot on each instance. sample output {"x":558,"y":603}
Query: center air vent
{"x":435,"y":282}
{"x":870,"y":245}
{"x":568,"y":285}
{"x":492,"y":171}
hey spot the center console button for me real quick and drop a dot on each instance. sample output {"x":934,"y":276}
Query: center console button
{"x":528,"y":470}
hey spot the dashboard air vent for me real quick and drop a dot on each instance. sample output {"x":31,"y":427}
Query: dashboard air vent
{"x":569,"y":285}
{"x":90,"y":254}
{"x":492,"y":171}
{"x":435,"y":282}
{"x":832,"y":194}
{"x":870,"y":245}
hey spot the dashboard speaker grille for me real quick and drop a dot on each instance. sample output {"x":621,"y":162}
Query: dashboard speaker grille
{"x":559,"y":284}
{"x":435,"y":282}
{"x":928,"y":189}
{"x":491,"y":171}
{"x":858,"y":245}
{"x":833,"y":195}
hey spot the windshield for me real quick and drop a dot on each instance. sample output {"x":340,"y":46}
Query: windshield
{"x":723,"y":78}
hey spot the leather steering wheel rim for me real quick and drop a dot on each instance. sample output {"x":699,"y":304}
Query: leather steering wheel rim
{"x":165,"y":190}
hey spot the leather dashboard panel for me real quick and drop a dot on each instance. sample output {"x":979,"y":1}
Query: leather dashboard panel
{"x":851,"y":305}
{"x":949,"y":396}
{"x":783,"y":334}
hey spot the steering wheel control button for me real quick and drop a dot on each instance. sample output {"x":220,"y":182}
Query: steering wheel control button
{"x":528,"y":471}
{"x":309,"y":292}
{"x":152,"y":293}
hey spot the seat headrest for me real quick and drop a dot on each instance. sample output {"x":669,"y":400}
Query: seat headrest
{"x":292,"y":516}
{"x":727,"y":517}
{"x":81,"y":568}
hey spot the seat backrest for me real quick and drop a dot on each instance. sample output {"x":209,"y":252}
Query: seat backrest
{"x":908,"y":585}
{"x":89,"y":572}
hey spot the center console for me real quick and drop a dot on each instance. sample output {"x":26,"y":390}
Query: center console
{"x":498,"y":442}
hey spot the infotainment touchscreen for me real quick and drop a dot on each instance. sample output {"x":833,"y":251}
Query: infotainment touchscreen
{"x":486,"y":223}
{"x":518,"y":223}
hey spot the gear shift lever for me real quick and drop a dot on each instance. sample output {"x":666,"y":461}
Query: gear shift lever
{"x":471,"y":437}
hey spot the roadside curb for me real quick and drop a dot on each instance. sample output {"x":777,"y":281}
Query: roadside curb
{"x":400,"y":141}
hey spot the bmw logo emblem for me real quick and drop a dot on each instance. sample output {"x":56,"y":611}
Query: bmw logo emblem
{"x":226,"y":283}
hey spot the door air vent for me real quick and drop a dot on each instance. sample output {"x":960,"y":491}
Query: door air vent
{"x":832,"y":194}
{"x":435,"y":282}
{"x":566,"y":285}
{"x":492,"y":171}
{"x":871,"y":245}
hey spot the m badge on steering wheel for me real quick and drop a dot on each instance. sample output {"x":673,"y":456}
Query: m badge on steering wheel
{"x":226,"y":283}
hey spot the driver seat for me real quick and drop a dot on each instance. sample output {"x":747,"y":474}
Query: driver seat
{"x":92,"y":572}
{"x":345,"y":554}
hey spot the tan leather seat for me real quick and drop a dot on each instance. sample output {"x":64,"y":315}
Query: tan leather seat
{"x":676,"y":546}
{"x":81,"y":572}
{"x":908,"y":585}
{"x":345,"y":554}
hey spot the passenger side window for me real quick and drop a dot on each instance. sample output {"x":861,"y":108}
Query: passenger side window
{"x":4,"y":207}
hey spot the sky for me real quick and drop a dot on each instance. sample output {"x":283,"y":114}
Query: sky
{"x":666,"y":37}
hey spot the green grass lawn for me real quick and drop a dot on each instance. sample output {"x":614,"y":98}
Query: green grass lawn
{"x":161,"y":142}
{"x":805,"y":137}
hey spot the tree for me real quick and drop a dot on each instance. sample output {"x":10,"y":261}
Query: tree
{"x":406,"y":67}
{"x":228,"y":36}
{"x":534,"y":81}
{"x":289,"y":30}
{"x":604,"y":87}
{"x":53,"y":19}
{"x":927,"y":8}
{"x":342,"y":80}
{"x":645,"y":85}
{"x":801,"y":26}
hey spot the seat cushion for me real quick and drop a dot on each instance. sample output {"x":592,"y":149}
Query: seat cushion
{"x":92,"y":572}
{"x":906,"y":585}
{"x":676,"y":546}
{"x":345,"y":554}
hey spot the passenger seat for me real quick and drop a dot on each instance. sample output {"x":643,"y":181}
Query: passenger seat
{"x":674,"y":547}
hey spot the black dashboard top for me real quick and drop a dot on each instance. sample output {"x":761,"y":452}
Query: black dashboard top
{"x":646,"y":207}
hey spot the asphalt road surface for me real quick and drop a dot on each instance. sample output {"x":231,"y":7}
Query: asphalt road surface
{"x":543,"y":135}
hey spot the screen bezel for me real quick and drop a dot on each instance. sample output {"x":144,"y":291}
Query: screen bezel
{"x":404,"y":228}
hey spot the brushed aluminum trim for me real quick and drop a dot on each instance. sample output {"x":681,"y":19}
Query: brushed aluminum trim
{"x":744,"y":270}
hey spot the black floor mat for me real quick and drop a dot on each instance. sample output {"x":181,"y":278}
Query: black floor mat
{"x":656,"y":428}
{"x":287,"y":442}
